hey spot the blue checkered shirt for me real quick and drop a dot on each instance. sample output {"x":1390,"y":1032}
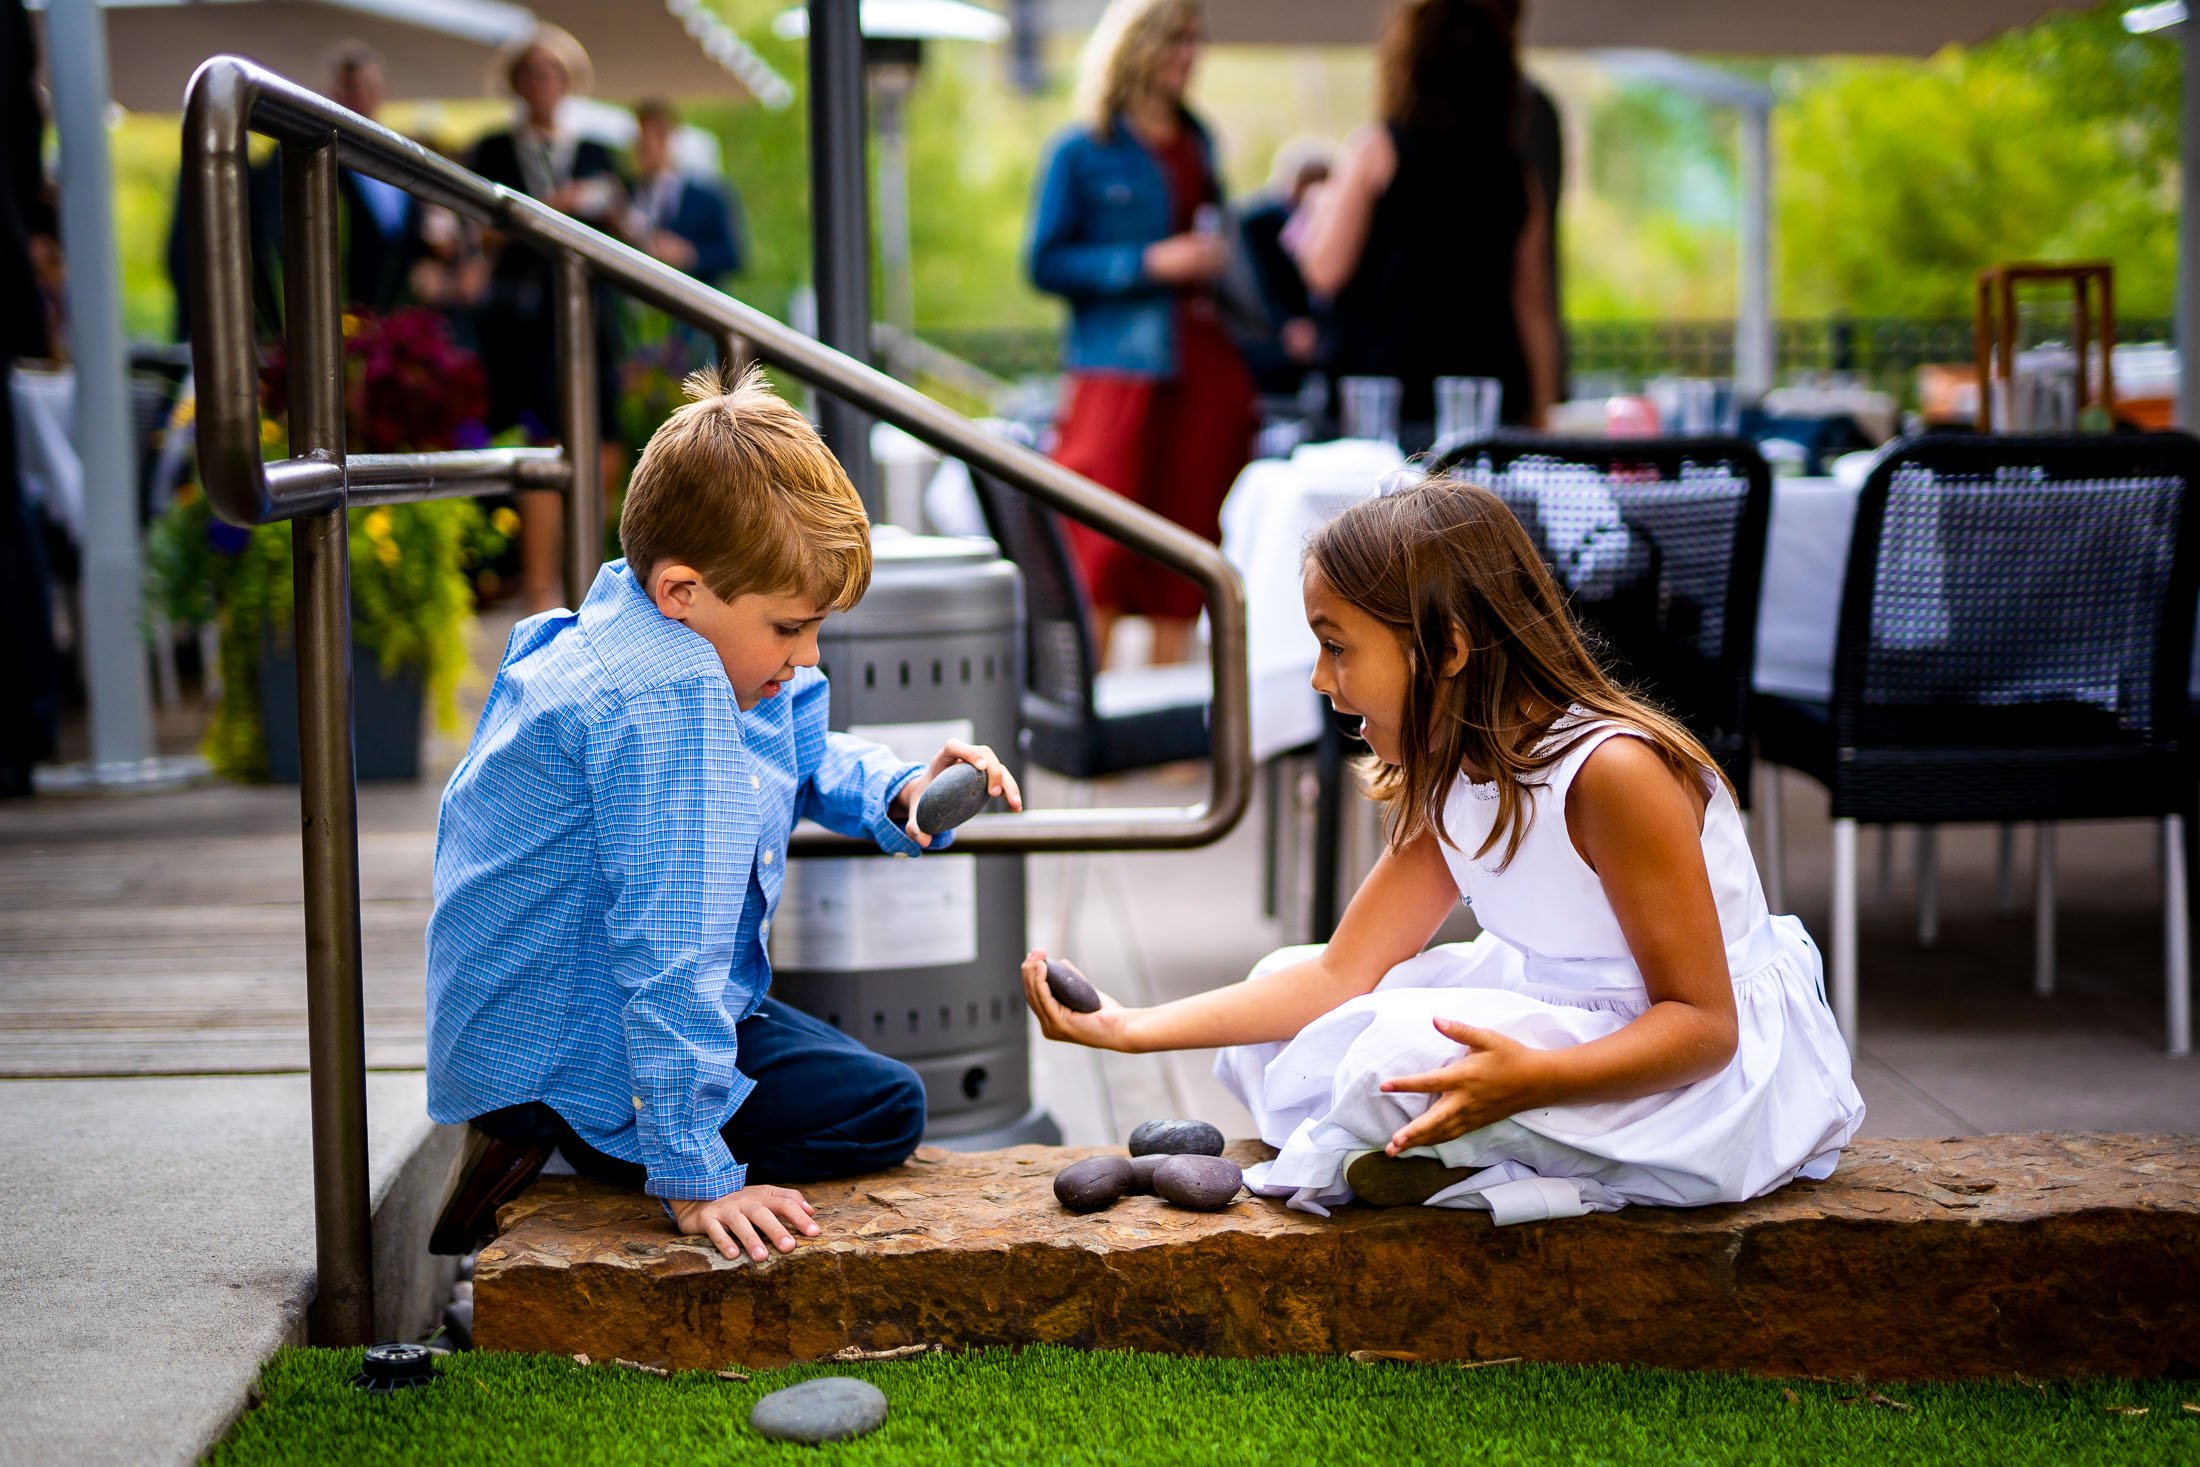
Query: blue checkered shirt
{"x":607,"y":861}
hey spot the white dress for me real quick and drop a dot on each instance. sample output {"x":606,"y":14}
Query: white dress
{"x":1552,"y":968}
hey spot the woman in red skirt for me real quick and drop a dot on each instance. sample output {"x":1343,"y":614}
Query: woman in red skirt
{"x":1158,"y":405}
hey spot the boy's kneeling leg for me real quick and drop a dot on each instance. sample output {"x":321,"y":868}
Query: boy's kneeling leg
{"x":824,"y":1106}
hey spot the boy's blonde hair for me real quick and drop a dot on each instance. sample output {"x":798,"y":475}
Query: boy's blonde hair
{"x":738,"y":485}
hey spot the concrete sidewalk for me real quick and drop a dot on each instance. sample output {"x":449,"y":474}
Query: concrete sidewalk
{"x":156,"y":1246}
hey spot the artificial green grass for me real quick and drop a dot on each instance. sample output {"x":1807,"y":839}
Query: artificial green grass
{"x":1050,"y":1405}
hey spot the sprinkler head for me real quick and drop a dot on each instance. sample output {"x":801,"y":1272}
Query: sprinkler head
{"x":396,"y":1368}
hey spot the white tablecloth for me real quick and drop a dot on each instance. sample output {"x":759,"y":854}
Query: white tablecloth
{"x":1272,"y":509}
{"x":45,"y":455}
{"x":1277,"y":503}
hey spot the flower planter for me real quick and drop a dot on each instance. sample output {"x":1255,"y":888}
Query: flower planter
{"x":386,"y":714}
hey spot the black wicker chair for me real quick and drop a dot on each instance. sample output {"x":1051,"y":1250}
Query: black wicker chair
{"x":1078,"y":721}
{"x":1661,"y":544}
{"x":2015,"y":644}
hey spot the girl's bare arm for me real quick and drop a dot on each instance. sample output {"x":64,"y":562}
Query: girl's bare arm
{"x":1640,"y":828}
{"x":1392,"y":917}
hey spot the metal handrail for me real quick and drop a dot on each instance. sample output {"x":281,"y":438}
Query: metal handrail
{"x":228,"y":99}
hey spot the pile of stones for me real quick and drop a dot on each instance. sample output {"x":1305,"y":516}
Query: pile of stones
{"x":1177,"y":1161}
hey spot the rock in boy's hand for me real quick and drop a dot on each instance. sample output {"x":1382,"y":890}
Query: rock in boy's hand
{"x":739,"y":1222}
{"x":998,"y":782}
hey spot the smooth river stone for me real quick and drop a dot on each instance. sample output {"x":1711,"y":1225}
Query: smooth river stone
{"x":957,"y":794}
{"x":831,"y":1408}
{"x":1142,"y":1172}
{"x":1202,"y":1183}
{"x":1176,"y":1138}
{"x":1070,"y":989}
{"x":1091,"y":1184}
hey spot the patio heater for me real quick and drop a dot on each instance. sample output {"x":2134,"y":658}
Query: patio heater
{"x":894,"y":33}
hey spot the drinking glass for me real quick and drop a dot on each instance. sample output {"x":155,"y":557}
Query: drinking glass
{"x":1466,"y":409}
{"x":1368,"y":407}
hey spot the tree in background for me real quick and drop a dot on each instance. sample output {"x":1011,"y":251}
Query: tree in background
{"x":1897,"y":180}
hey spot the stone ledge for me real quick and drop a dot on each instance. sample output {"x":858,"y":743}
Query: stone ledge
{"x":2041,"y":1255}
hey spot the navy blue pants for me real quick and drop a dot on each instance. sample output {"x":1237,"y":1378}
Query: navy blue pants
{"x":823,"y":1107}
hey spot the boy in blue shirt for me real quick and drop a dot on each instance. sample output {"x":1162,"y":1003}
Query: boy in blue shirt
{"x":610,"y":852}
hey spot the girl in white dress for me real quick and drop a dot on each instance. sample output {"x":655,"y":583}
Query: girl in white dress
{"x":1631,"y":1026}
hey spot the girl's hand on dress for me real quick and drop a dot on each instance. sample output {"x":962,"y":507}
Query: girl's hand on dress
{"x":1102,"y":1029}
{"x":1497,"y":1077}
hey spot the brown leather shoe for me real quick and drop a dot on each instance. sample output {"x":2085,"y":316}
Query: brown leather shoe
{"x":490,"y":1173}
{"x":1382,"y":1180}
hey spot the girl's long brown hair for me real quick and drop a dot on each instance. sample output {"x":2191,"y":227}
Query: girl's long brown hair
{"x":1447,"y":553}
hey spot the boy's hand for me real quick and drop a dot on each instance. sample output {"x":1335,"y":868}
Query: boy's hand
{"x":1101,"y":1029}
{"x":740,"y":1221}
{"x":998,"y":782}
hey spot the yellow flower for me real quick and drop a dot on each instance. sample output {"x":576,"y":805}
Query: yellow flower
{"x":505,"y":520}
{"x":377,"y":526}
{"x":186,"y":494}
{"x":386,"y":552}
{"x":351,"y":325}
{"x":270,"y":434}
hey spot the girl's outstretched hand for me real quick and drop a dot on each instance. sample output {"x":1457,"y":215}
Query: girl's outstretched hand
{"x":1497,"y":1077}
{"x":1101,"y":1029}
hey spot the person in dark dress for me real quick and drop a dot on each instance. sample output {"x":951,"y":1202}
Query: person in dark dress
{"x":1157,"y":403}
{"x":518,"y":319}
{"x":30,"y":672}
{"x":1430,"y":240}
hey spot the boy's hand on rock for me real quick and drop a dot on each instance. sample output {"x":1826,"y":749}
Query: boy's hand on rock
{"x":998,"y":783}
{"x":1101,"y":1029}
{"x":741,"y":1221}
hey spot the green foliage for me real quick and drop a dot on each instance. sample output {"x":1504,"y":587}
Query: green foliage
{"x":1054,"y":1405}
{"x":1900,"y":179}
{"x":411,"y":601}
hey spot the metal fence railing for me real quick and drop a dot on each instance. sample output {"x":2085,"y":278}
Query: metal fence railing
{"x":1885,"y":351}
{"x":229,"y":99}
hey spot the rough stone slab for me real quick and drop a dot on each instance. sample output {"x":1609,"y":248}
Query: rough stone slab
{"x":2045,"y":1255}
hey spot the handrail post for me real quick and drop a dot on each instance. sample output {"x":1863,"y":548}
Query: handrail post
{"x":343,"y":1304}
{"x":578,"y":403}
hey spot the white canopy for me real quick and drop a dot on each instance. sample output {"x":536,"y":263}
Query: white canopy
{"x":437,"y":50}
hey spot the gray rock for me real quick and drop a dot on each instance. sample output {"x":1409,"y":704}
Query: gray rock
{"x":1070,"y":989}
{"x":1142,"y":1172}
{"x":1091,"y":1184}
{"x":957,"y":794}
{"x":1176,"y":1138}
{"x":1202,"y":1183}
{"x":831,"y":1408}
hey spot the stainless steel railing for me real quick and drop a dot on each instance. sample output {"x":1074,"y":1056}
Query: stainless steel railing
{"x":230,"y":98}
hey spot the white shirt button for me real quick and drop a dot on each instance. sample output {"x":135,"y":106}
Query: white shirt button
{"x":637,"y":1102}
{"x":755,"y":783}
{"x":766,"y":929}
{"x":767,"y":858}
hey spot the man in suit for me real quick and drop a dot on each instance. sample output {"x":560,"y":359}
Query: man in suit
{"x":379,"y":224}
{"x":688,"y":223}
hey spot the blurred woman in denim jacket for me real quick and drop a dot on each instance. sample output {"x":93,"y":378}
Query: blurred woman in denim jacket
{"x":1158,"y":404}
